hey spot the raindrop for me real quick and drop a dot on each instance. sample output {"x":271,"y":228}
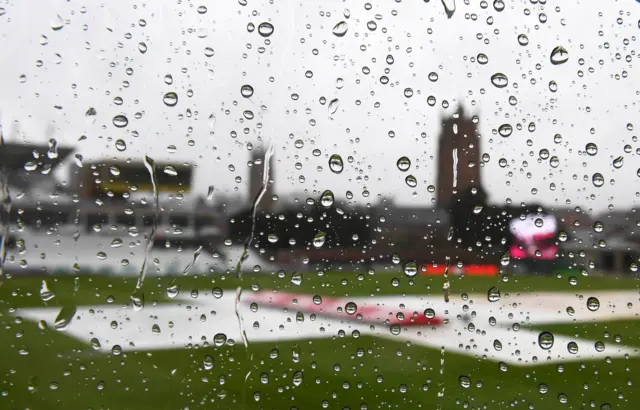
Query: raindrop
{"x":553,"y":86}
{"x":170,"y":99}
{"x":155,"y":329}
{"x":493,"y":295}
{"x":65,"y":316}
{"x":597,"y":179}
{"x":499,"y":80}
{"x":408,"y":92}
{"x":120,"y":121}
{"x":498,"y":5}
{"x":137,"y":300}
{"x":497,"y":345}
{"x":142,"y":47}
{"x":351,"y":308}
{"x":543,"y":388}
{"x":572,"y":347}
{"x":411,"y":269}
{"x":196,"y":255}
{"x":219,"y":339}
{"x":335,"y":164}
{"x":545,"y":340}
{"x":45,"y":293}
{"x":559,"y":55}
{"x":208,"y":52}
{"x":482,"y":58}
{"x":505,"y":130}
{"x":296,"y":278}
{"x":403,"y":164}
{"x":333,"y":106}
{"x":449,"y":7}
{"x":265,"y":29}
{"x":121,"y":145}
{"x":599,"y":346}
{"x":297,"y":379}
{"x":618,"y":162}
{"x":326,"y":200}
{"x":208,"y":362}
{"x":173,"y":289}
{"x":170,"y":170}
{"x":95,"y":343}
{"x":465,"y":381}
{"x":57,"y":23}
{"x":340,"y":29}
{"x":246,"y":91}
{"x":411,"y":181}
{"x":429,"y":313}
{"x":593,"y":304}
{"x":591,"y":149}
{"x":570,"y":311}
{"x":523,"y":40}
{"x":318,"y":239}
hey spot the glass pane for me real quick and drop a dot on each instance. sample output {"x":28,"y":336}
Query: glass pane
{"x":319,"y":204}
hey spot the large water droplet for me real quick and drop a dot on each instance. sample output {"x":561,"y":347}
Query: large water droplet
{"x":411,"y":181}
{"x":591,"y":149}
{"x":297,"y":378}
{"x":45,"y":293}
{"x":465,"y":381}
{"x":497,"y":345}
{"x":246,"y":91}
{"x":327,"y":198}
{"x":493,"y":294}
{"x":208,"y":362}
{"x":505,"y":130}
{"x":597,"y":179}
{"x":340,"y":29}
{"x":403,"y":164}
{"x":265,"y":29}
{"x":57,"y":23}
{"x":351,"y":308}
{"x":545,"y":340}
{"x":523,"y":40}
{"x":137,"y":300}
{"x":173,"y":289}
{"x":449,"y":7}
{"x":618,"y":162}
{"x":572,"y":347}
{"x":335,"y":164}
{"x":121,"y":145}
{"x":318,"y":240}
{"x":142,"y":47}
{"x":559,"y":55}
{"x":498,"y":5}
{"x":170,"y":99}
{"x":411,"y":269}
{"x":64,"y":318}
{"x":120,"y":121}
{"x":499,"y":80}
{"x":95,"y":343}
{"x":593,"y":304}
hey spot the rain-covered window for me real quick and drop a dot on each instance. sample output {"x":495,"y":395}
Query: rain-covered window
{"x":322,"y":204}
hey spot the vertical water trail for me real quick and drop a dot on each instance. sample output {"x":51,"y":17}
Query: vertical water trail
{"x":196,"y":255}
{"x":5,"y":210}
{"x":245,"y":254}
{"x":254,"y":209}
{"x":455,"y":168}
{"x":137,"y":297}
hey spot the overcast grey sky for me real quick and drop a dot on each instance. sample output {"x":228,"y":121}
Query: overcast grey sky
{"x":84,"y":64}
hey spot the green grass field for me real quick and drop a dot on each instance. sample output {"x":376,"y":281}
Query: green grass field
{"x":44,"y":369}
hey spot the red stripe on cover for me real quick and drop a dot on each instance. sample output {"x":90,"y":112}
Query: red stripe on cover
{"x":336,"y":307}
{"x":471,"y":270}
